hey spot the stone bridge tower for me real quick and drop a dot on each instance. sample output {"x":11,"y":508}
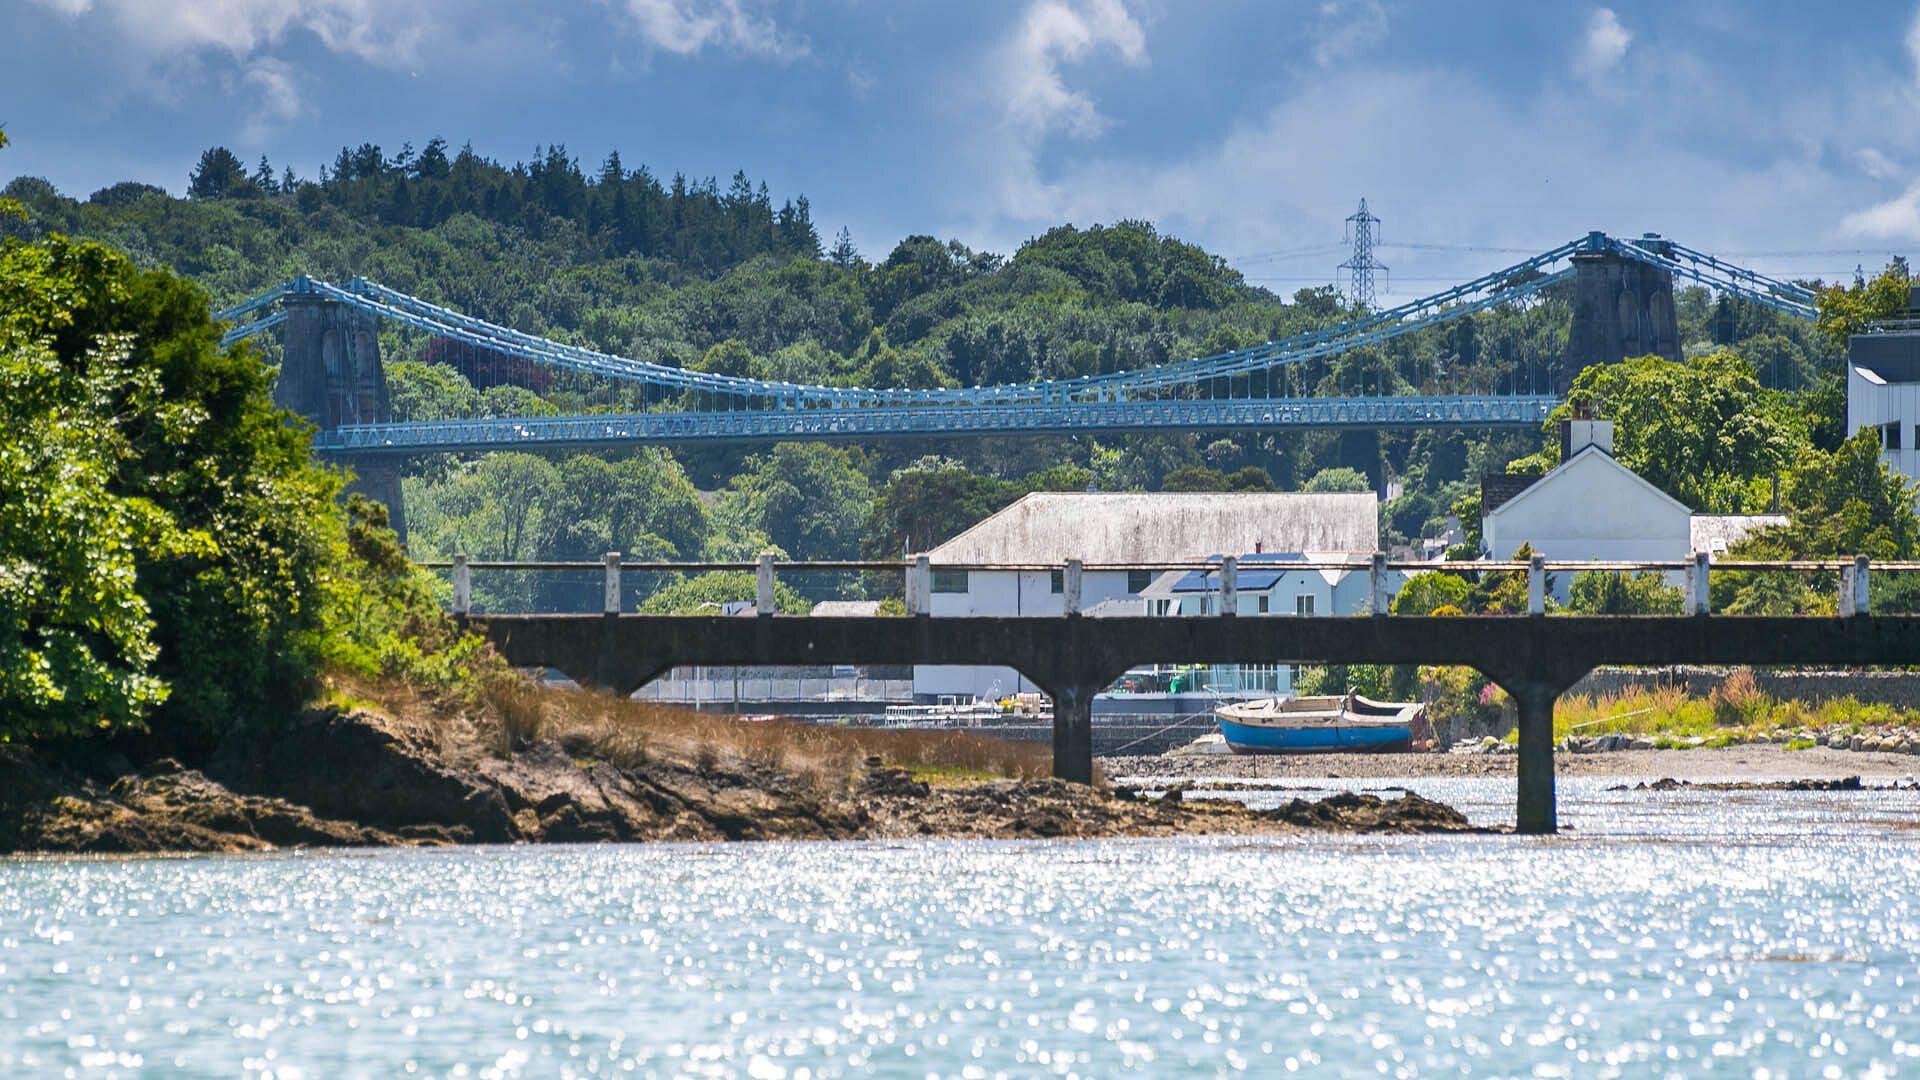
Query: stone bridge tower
{"x":1622,"y":308}
{"x":330,"y":373}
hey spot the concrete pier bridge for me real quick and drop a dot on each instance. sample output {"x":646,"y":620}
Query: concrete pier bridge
{"x":1533,"y":657}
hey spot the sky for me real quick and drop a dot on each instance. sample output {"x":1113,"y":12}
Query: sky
{"x":1783,"y":135}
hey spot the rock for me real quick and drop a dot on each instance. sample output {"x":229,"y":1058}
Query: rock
{"x":1837,"y":742}
{"x":363,"y":767}
{"x":1642,"y":742}
{"x":46,"y":807}
{"x":1370,"y":813}
{"x":1174,"y":795}
{"x":895,"y":783}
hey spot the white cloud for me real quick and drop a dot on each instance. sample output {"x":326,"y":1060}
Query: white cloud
{"x":1034,"y":93}
{"x":685,"y":27}
{"x":279,"y":95}
{"x":1604,"y":45}
{"x":1876,"y":164}
{"x":1346,"y":27}
{"x":1913,"y":46}
{"x":384,"y":32}
{"x":1896,"y":219}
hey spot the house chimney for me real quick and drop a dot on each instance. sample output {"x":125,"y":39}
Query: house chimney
{"x":1577,"y":435}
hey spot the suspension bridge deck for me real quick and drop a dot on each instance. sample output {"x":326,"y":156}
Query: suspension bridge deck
{"x":899,"y":422}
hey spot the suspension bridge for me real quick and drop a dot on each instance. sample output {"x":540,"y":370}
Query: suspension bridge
{"x":1631,"y":282}
{"x":331,"y":371}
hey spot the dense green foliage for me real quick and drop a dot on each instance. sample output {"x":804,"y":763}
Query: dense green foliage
{"x":168,"y":549}
{"x":1704,"y":431}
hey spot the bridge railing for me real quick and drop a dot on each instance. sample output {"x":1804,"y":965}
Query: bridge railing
{"x":1221,"y":576}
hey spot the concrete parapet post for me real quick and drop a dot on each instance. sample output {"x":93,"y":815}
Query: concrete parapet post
{"x":1229,"y":586}
{"x":1537,"y":585}
{"x":610,"y":593}
{"x":919,"y":586}
{"x":1070,"y":591}
{"x":1699,"y":600}
{"x":763,"y":586}
{"x":1378,"y":602}
{"x":462,"y":586}
{"x":1853,"y":588}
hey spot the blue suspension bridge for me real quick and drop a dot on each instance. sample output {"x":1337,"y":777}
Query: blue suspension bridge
{"x":1622,"y":300}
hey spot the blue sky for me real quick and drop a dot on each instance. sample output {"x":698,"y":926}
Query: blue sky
{"x":1784,"y":134}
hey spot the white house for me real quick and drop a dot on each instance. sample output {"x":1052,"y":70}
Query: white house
{"x":1266,"y":584}
{"x":1883,"y":386}
{"x":1593,"y":508}
{"x":1046,"y":529}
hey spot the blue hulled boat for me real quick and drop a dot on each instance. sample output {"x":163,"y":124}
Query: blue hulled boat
{"x":1323,"y":725}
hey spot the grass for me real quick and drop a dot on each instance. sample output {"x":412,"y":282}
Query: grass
{"x":1736,"y":711}
{"x":633,"y":733}
{"x":511,"y":712}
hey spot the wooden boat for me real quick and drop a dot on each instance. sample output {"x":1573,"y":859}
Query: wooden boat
{"x":1324,"y":725}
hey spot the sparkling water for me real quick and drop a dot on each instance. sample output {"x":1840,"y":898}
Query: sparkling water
{"x":1672,"y":933}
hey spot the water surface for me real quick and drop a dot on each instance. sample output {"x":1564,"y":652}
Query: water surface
{"x":1686,"y":933}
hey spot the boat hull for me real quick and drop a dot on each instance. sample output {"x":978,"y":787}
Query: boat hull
{"x":1317,"y":739}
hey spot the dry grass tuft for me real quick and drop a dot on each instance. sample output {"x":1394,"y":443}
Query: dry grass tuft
{"x":630,"y":733}
{"x":512,"y":712}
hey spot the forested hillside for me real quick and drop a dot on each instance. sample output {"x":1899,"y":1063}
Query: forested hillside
{"x":734,"y":280}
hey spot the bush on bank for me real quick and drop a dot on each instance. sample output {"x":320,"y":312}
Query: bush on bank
{"x":169,"y":552}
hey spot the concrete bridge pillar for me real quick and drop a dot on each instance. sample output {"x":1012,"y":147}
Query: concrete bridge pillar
{"x":1073,"y":732}
{"x":1621,"y":308}
{"x":1535,"y":683}
{"x":331,"y":373}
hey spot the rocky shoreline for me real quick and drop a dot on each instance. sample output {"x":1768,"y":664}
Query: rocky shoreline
{"x":347,"y":778}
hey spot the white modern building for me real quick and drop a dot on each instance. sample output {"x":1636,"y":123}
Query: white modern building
{"x":1593,"y":508}
{"x":1268,"y":584}
{"x":1883,"y":386}
{"x":1144,"y":529}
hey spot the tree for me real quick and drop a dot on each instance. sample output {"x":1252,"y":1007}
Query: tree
{"x":1251,"y":478}
{"x":72,"y":659}
{"x":1846,"y":310}
{"x":1339,"y":479}
{"x":705,"y":594}
{"x":807,"y":498}
{"x":10,"y":207}
{"x":1600,"y":592}
{"x":928,"y":503}
{"x":219,"y":175}
{"x":1703,"y":431}
{"x":1194,"y":478}
{"x":1425,"y":592}
{"x":185,"y":470}
{"x":844,"y":255}
{"x":1848,"y":502}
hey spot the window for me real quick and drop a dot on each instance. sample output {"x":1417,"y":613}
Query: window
{"x":949,"y":581}
{"x":1138,"y":580}
{"x":1303,"y":604}
{"x":1262,"y":604}
{"x":1891,"y":438}
{"x":1057,"y":582}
